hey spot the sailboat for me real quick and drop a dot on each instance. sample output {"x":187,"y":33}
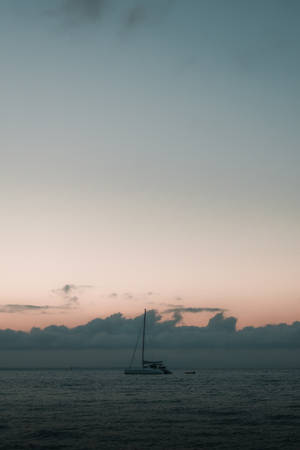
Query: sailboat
{"x":147,"y":367}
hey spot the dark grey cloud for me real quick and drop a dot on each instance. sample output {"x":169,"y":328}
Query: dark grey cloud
{"x":117,"y":332}
{"x":221,"y":323}
{"x":67,"y":288}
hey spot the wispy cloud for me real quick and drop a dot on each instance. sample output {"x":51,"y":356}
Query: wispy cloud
{"x":42,"y":309}
{"x":70,"y":293}
{"x":68,"y":289}
{"x":19,"y":308}
{"x":182,"y":309}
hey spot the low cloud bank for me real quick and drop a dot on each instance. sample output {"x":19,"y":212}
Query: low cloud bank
{"x":117,"y":332}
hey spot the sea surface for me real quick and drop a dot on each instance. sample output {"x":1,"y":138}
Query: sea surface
{"x":105,"y":409}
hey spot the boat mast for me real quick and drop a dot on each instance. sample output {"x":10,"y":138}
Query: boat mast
{"x":143,"y":345}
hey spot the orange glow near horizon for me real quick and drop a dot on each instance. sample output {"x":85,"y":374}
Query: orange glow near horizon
{"x":251,"y":313}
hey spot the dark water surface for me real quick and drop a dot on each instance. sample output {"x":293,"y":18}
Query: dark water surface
{"x":214,"y":409}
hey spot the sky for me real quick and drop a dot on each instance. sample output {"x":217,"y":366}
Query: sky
{"x":149,"y":157}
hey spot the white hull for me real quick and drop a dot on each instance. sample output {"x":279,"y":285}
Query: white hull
{"x":145,"y":371}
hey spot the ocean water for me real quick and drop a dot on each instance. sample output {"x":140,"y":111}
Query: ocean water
{"x":102,"y":409}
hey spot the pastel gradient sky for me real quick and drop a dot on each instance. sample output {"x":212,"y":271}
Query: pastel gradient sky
{"x":149,"y":155}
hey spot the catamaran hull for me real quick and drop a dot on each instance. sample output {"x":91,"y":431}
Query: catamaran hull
{"x":143,"y":372}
